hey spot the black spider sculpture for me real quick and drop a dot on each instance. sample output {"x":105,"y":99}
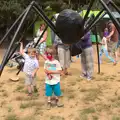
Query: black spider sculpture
{"x":70,"y":27}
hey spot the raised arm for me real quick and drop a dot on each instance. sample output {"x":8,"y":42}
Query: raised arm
{"x":21,"y":48}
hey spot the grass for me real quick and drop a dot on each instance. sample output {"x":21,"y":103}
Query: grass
{"x":116,"y":104}
{"x":70,"y":94}
{"x":116,"y":118}
{"x":88,"y":110}
{"x":56,"y":118}
{"x":30,"y":104}
{"x":92,"y":94}
{"x":11,"y":117}
{"x":85,"y":112}
{"x":5,"y":94}
{"x":20,"y":98}
{"x":19,"y":88}
{"x":32,"y":117}
{"x":73,"y":83}
{"x":2,"y":103}
{"x":95,"y":118}
{"x":9,"y":109}
{"x":103,"y":107}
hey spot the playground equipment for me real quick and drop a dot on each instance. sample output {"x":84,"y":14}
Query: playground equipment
{"x":70,"y":27}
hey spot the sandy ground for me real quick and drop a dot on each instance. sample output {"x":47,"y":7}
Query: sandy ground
{"x":98,"y":99}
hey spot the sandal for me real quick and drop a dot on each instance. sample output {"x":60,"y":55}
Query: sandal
{"x":29,"y":94}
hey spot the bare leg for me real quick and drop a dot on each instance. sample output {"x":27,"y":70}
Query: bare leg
{"x":29,"y":89}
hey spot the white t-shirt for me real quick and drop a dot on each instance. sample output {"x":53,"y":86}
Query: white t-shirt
{"x":104,"y":40}
{"x":52,"y":65}
{"x":30,"y":64}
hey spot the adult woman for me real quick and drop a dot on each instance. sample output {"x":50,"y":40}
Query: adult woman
{"x":42,"y":43}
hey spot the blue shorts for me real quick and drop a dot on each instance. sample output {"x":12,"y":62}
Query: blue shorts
{"x":50,"y":89}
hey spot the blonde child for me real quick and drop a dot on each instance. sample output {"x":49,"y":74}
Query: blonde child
{"x":30,"y":68}
{"x":52,"y":81}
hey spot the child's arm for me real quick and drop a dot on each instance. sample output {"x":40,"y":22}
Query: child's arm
{"x":53,"y":72}
{"x":34,"y":72}
{"x":21,"y":48}
{"x":43,"y":56}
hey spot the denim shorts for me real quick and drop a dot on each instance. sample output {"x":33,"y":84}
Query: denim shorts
{"x":50,"y":89}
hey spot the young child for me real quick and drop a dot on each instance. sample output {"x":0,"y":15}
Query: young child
{"x":30,"y":68}
{"x":52,"y":81}
{"x":104,"y":47}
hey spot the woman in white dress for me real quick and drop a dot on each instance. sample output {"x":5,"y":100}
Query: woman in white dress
{"x":42,"y":43}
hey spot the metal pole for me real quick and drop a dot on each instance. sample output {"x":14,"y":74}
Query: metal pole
{"x":10,"y":55}
{"x":13,"y":25}
{"x":15,"y":36}
{"x":97,"y":46}
{"x":88,"y":10}
{"x":88,"y":21}
{"x":95,"y":22}
{"x":115,"y":6}
{"x":95,"y":18}
{"x":115,"y":21}
{"x":44,"y":17}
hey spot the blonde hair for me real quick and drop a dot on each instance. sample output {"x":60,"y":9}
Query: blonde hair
{"x":51,"y":50}
{"x":31,"y":50}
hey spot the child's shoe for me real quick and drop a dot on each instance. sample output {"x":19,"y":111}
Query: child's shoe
{"x":35,"y":89}
{"x":29,"y":94}
{"x":48,"y":105}
{"x":58,"y":104}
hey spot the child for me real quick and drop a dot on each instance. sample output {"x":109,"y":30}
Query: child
{"x":52,"y":81}
{"x":30,"y":68}
{"x":104,"y":47}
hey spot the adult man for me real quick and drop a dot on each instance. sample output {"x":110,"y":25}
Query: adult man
{"x":113,"y":40}
{"x":63,"y":54}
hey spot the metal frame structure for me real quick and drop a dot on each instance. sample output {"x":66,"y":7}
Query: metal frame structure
{"x":33,"y":5}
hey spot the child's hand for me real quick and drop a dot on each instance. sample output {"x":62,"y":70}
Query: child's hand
{"x":48,"y":72}
{"x":33,"y":75}
{"x":49,"y":76}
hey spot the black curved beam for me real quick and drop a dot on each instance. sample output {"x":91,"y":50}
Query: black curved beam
{"x":43,"y":33}
{"x":44,"y":17}
{"x":88,"y":10}
{"x":115,"y":21}
{"x":14,"y":24}
{"x":115,"y":6}
{"x":15,"y":36}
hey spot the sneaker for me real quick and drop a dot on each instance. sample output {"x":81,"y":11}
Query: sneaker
{"x":48,"y":105}
{"x":82,"y":76}
{"x":29,"y":94}
{"x":88,"y":78}
{"x":35,"y":89}
{"x":58,"y":104}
